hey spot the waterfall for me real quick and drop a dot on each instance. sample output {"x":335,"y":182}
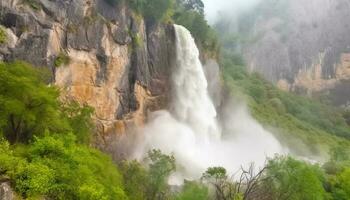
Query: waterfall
{"x":191,"y":103}
{"x":190,"y":131}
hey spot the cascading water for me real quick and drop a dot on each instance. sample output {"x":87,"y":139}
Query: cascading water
{"x":190,"y":130}
{"x":191,"y":103}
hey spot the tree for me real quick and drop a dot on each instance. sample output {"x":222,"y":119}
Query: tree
{"x":28,"y":107}
{"x":193,"y":191}
{"x":195,"y":5}
{"x":136,"y":180}
{"x":160,"y":168}
{"x":79,"y":119}
{"x":217,"y":176}
{"x":290,"y":179}
{"x":247,"y":186}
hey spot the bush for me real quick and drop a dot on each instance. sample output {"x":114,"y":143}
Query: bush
{"x":61,"y":59}
{"x":34,"y":4}
{"x":291,"y":179}
{"x":3,"y":36}
{"x":57,"y":168}
{"x":195,"y":22}
{"x":154,"y":10}
{"x":193,"y":191}
{"x":28,"y":107}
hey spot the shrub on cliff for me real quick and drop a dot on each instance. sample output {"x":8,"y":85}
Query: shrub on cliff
{"x":154,"y":10}
{"x":3,"y":36}
{"x":196,"y":23}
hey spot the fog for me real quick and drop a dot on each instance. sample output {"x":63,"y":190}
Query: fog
{"x":214,"y":7}
{"x":194,"y":131}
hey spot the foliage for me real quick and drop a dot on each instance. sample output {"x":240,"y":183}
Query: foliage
{"x":195,"y":5}
{"x":292,"y":179}
{"x":339,"y":185}
{"x":292,"y":117}
{"x":196,"y":23}
{"x":59,"y":169}
{"x":188,"y":13}
{"x":27,"y":106}
{"x":61,"y":59}
{"x":151,"y":182}
{"x":160,"y":168}
{"x":136,"y":179}
{"x":154,"y":10}
{"x":34,"y":4}
{"x":45,"y":159}
{"x":79,"y":119}
{"x":158,"y":10}
{"x":3,"y":36}
{"x":193,"y":191}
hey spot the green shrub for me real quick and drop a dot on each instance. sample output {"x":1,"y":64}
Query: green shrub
{"x":57,"y":168}
{"x":291,"y":179}
{"x":28,"y":107}
{"x":193,"y":191}
{"x":195,"y":22}
{"x":34,"y":4}
{"x":61,"y":59}
{"x":3,"y":36}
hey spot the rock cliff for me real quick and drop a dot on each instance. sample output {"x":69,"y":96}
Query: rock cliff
{"x":302,"y":46}
{"x":105,"y":56}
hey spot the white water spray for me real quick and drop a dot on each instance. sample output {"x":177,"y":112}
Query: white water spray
{"x":191,"y":103}
{"x":190,"y":130}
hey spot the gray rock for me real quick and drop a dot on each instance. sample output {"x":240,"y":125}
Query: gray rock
{"x":6,"y":192}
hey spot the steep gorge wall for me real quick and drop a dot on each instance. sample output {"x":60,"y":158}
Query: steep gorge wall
{"x":118,"y":64}
{"x":302,"y":46}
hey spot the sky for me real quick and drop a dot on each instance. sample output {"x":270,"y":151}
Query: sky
{"x":212,"y":7}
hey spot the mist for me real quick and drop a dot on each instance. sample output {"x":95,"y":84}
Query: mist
{"x":194,"y":131}
{"x":213,"y":8}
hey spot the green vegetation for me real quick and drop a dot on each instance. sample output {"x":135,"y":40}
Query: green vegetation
{"x":188,"y":13}
{"x":152,"y":183}
{"x":153,"y":10}
{"x":43,"y":149}
{"x":292,"y":179}
{"x":3,"y":36}
{"x":55,"y":167}
{"x":34,"y":4}
{"x":61,"y":59}
{"x":193,"y":191}
{"x":282,"y":178}
{"x":318,"y":125}
{"x":195,"y":22}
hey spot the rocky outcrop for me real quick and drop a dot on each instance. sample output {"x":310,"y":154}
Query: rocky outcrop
{"x":6,"y":192}
{"x":300,"y":45}
{"x":114,"y":61}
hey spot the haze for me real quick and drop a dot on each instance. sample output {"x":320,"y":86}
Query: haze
{"x":213,"y":7}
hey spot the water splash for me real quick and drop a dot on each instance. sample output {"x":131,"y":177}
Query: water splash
{"x":190,"y":130}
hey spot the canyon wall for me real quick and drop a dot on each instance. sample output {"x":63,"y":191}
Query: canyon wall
{"x":101,"y":55}
{"x":302,"y":46}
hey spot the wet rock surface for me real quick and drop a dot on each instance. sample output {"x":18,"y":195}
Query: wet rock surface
{"x":117,"y":64}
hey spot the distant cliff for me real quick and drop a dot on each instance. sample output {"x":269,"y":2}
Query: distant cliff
{"x":101,"y":55}
{"x":302,"y":46}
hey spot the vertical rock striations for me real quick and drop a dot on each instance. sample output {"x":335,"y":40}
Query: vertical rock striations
{"x":101,"y":55}
{"x":303,"y":46}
